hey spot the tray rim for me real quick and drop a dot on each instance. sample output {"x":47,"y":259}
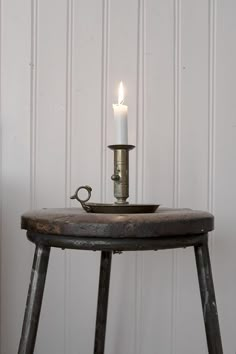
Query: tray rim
{"x":122,"y":205}
{"x":109,"y":208}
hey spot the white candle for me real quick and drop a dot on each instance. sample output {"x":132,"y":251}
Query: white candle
{"x":121,"y":118}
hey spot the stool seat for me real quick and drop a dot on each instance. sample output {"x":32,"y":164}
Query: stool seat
{"x":76,"y":222}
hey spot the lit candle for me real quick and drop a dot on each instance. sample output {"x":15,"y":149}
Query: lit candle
{"x":121,"y":118}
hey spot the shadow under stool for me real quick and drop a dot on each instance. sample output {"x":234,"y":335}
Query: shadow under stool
{"x":73,"y":228}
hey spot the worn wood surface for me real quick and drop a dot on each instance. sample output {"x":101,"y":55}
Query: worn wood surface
{"x":76,"y":222}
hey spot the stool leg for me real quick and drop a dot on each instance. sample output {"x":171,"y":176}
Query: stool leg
{"x":102,"y":304}
{"x":34,"y":300}
{"x":208,"y":299}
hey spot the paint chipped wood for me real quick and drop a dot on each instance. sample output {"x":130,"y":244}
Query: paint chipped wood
{"x":74,"y":221}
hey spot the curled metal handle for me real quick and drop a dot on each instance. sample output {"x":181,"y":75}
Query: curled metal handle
{"x":83,"y":201}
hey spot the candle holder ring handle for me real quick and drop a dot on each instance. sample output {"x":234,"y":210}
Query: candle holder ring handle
{"x":83,"y":201}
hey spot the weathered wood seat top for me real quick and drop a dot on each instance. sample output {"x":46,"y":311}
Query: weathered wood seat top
{"x":76,"y":222}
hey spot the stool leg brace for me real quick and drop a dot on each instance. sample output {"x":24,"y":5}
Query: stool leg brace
{"x":36,"y":288}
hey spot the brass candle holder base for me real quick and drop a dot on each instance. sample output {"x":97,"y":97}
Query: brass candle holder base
{"x":116,"y":208}
{"x":120,"y":178}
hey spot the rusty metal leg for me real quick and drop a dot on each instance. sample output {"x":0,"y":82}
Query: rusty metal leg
{"x":208,"y":299}
{"x":34,"y":300}
{"x":102,"y":304}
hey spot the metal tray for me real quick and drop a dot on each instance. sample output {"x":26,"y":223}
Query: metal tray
{"x":112,"y":208}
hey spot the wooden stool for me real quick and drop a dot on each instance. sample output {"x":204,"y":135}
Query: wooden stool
{"x":75,"y":229}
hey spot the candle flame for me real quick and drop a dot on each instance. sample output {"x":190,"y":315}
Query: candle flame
{"x":121,"y":93}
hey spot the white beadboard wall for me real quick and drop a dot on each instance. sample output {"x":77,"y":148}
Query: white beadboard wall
{"x":61,"y":61}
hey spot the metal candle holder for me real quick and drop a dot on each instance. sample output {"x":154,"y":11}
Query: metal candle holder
{"x":120,"y":178}
{"x":121,"y":172}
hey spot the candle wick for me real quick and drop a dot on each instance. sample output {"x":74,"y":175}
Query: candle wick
{"x":121,"y":102}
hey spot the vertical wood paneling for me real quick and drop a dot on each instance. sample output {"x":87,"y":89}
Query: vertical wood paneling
{"x":88,"y":120}
{"x":193,"y":162}
{"x":177,"y":102}
{"x":141,"y":37}
{"x":211,"y":104}
{"x":50,"y":157}
{"x":33,"y":104}
{"x":104,"y":94}
{"x":158,"y":116}
{"x":194,"y":102}
{"x":140,"y":119}
{"x":122,"y":66}
{"x":68,"y":168}
{"x":158,"y":169}
{"x":225,"y":172}
{"x":33,"y":99}
{"x":69,"y":81}
{"x":61,"y":63}
{"x":15,"y":167}
{"x":123,"y":48}
{"x":176,"y":162}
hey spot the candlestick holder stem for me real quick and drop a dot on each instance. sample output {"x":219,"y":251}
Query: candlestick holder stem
{"x":121,"y":172}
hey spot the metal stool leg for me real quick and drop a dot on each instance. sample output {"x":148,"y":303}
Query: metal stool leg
{"x":34,"y":300}
{"x":208,"y":299}
{"x":103,"y":293}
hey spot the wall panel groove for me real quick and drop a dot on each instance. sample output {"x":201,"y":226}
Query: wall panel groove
{"x":68,"y":159}
{"x":33,"y":104}
{"x":140,"y":132}
{"x":69,"y":83}
{"x":176,"y":161}
{"x":211,"y":116}
{"x":177,"y":102}
{"x":139,"y":178}
{"x":104,"y":94}
{"x":33,"y":100}
{"x":211,"y":101}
